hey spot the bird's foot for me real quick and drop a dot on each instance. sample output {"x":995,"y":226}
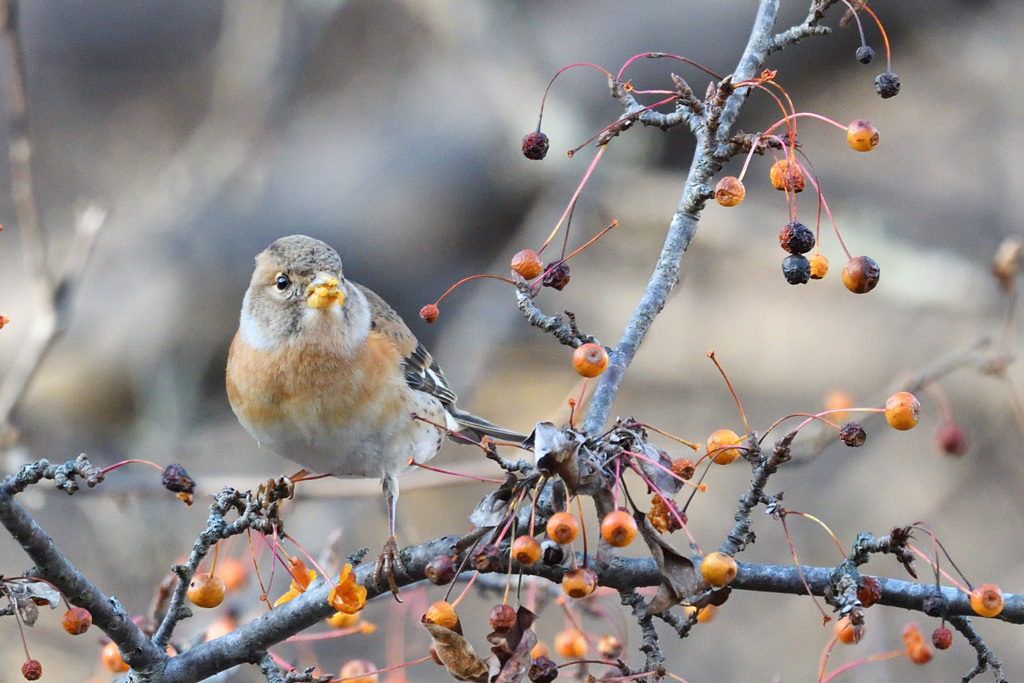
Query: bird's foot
{"x":387,"y":563}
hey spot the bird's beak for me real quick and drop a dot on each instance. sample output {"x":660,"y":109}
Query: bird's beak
{"x":323,"y":292}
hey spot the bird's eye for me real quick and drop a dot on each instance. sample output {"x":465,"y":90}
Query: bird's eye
{"x":282,"y":282}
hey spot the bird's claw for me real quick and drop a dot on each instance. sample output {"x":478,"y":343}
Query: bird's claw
{"x":390,"y":560}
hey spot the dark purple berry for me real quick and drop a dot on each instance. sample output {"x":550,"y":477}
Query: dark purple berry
{"x":796,"y":238}
{"x":887,"y":85}
{"x":865,"y":54}
{"x":557,"y":276}
{"x":486,"y":558}
{"x":852,"y":434}
{"x":440,"y":570}
{"x":542,"y":670}
{"x":535,"y":145}
{"x":797,"y":269}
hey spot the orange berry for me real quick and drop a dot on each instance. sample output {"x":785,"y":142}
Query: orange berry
{"x":683,"y":468}
{"x":358,"y":671}
{"x":729,"y":191}
{"x":77,"y":621}
{"x":539,"y":650}
{"x":718,"y":569}
{"x":618,"y":529}
{"x":430,"y":312}
{"x":502,"y":618}
{"x":819,"y":266}
{"x":706,"y":614}
{"x":205,"y":590}
{"x":718,"y":446}
{"x":785,"y":174}
{"x":234,"y":571}
{"x":847,"y":632}
{"x":222,"y":626}
{"x":942,"y":638}
{"x":111,"y":658}
{"x":342,"y":620}
{"x":579,"y":582}
{"x":526,"y":550}
{"x":838,"y":399}
{"x":861,"y":135}
{"x":987,"y":600}
{"x":918,"y":650}
{"x":527,"y":264}
{"x":860,"y":274}
{"x":902,"y":410}
{"x":571,"y":644}
{"x":442,"y":614}
{"x":590,"y":360}
{"x":562,"y":528}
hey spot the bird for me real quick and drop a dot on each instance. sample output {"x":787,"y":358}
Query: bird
{"x":323,"y":372}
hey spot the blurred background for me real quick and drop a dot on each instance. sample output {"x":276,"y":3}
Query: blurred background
{"x":391,"y":130}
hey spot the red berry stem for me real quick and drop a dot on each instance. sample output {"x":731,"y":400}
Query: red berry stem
{"x":668,"y":504}
{"x":809,"y":114}
{"x":711,"y":355}
{"x":604,"y":133}
{"x":666,"y":470}
{"x":659,"y":55}
{"x":128,"y":462}
{"x":559,"y":73}
{"x":885,"y":38}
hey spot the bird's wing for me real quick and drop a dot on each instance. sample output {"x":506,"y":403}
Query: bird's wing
{"x":421,"y":370}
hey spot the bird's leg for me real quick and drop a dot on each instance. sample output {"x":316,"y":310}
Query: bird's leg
{"x":390,"y":559}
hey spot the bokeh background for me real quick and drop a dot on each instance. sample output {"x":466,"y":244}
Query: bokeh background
{"x":391,"y":130}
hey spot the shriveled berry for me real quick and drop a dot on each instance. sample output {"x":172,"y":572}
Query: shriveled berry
{"x":852,"y":434}
{"x":77,"y":621}
{"x":542,"y":670}
{"x":571,"y":644}
{"x":535,"y":145}
{"x":870,"y":591}
{"x":865,"y":54}
{"x":987,"y":600}
{"x":797,"y":269}
{"x":683,"y":468}
{"x":861,"y":135}
{"x":551,"y":552}
{"x":441,"y":613}
{"x":579,"y":582}
{"x":562,"y":528}
{"x":618,"y":528}
{"x":440,"y":570}
{"x":177,"y":480}
{"x":662,"y":518}
{"x":860,"y":274}
{"x":527,"y":264}
{"x":819,"y":266}
{"x":205,"y":590}
{"x":951,"y":438}
{"x":942,"y":638}
{"x":526,"y":550}
{"x":917,"y":649}
{"x":486,"y":558}
{"x":557,"y":276}
{"x":718,"y":569}
{"x":796,"y":238}
{"x":902,"y":410}
{"x":730,"y":191}
{"x":430,"y":312}
{"x":590,"y":360}
{"x":502,"y":618}
{"x":887,"y":85}
{"x":785,"y":174}
{"x":32,"y":670}
{"x":719,"y":446}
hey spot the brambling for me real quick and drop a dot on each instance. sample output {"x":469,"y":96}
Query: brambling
{"x":323,"y":372}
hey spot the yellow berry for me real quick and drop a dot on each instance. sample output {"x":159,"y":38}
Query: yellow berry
{"x":526,"y":550}
{"x":112,"y":660}
{"x":718,"y":569}
{"x":618,"y":529}
{"x":571,"y":644}
{"x":527,"y":264}
{"x":706,"y":614}
{"x":590,"y":360}
{"x":579,"y":582}
{"x":987,"y":600}
{"x":861,"y":135}
{"x":442,"y":614}
{"x":902,"y":410}
{"x":610,"y":646}
{"x":847,"y":632}
{"x":785,"y":174}
{"x":359,"y":671}
{"x":562,"y":528}
{"x":730,"y":191}
{"x":205,"y":590}
{"x":342,"y":620}
{"x":718,"y":446}
{"x":234,"y":571}
{"x":819,"y":266}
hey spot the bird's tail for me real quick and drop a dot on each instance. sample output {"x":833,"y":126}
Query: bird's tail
{"x":478,"y":427}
